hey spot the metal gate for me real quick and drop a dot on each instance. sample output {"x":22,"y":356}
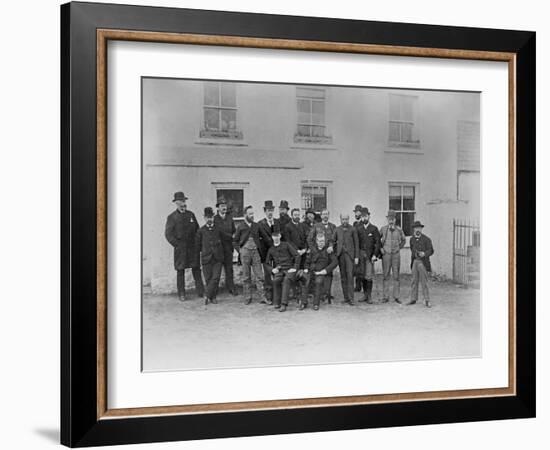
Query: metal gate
{"x":466,"y":252}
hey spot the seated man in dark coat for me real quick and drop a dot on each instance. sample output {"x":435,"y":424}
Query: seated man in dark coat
{"x":283,"y":260}
{"x":319,"y":265}
{"x":209,"y":246}
{"x":421,"y":250}
{"x":181,"y":227}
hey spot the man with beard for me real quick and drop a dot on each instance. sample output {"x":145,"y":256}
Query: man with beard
{"x":180,"y":230}
{"x":226,"y":226}
{"x":296,"y":236}
{"x":358,"y":280}
{"x":347,"y":252}
{"x":247,"y":242}
{"x":392,"y":240}
{"x":319,"y":266}
{"x":283,"y":260}
{"x":328,"y":230}
{"x":209,"y":246}
{"x":369,"y":250}
{"x":266,"y":227}
{"x":421,"y":250}
{"x":284,"y":218}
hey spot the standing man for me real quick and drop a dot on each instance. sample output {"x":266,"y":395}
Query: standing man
{"x":319,"y":265}
{"x":328,"y":230}
{"x":180,"y":230}
{"x":247,"y":242}
{"x":392,"y":240}
{"x":210,"y":247}
{"x":307,"y":223}
{"x":369,"y":250}
{"x":295,"y":235}
{"x":284,"y":218}
{"x":226,"y":226}
{"x":421,"y":250}
{"x":357,"y":214}
{"x":283,"y":260}
{"x":347,"y":252}
{"x":267,"y":226}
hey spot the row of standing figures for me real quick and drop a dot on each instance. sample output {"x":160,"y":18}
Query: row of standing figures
{"x":294,"y":255}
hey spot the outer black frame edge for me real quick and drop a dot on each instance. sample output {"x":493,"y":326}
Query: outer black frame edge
{"x":79,"y":426}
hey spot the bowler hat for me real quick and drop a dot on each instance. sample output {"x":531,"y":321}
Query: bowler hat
{"x":208,"y":212}
{"x":391,"y":213}
{"x":268,"y":204}
{"x":365,"y":210}
{"x":417,"y":224}
{"x":357,"y":208}
{"x":179,"y":196}
{"x":310,"y":211}
{"x":283,"y":204}
{"x":221,"y":201}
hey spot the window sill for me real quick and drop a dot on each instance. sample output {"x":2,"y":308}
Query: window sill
{"x":312,"y":144}
{"x":221,"y":141}
{"x":404,"y":147}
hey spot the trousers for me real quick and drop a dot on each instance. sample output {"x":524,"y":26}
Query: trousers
{"x":282,"y":283}
{"x":391,"y":263}
{"x":212,"y":272}
{"x":228,"y":266}
{"x":251,"y":261}
{"x":345,"y":263}
{"x":180,"y":281}
{"x":419,"y":275}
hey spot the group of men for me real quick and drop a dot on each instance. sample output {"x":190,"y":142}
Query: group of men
{"x":294,"y":257}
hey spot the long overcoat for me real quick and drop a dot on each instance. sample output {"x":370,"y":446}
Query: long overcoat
{"x":180,"y":232}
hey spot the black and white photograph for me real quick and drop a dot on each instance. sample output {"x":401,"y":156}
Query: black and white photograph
{"x":291,"y":224}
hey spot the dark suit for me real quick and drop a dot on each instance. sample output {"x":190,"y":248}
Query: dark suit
{"x":266,"y":242}
{"x":283,"y":258}
{"x":356,"y":270}
{"x":347,"y":249}
{"x":369,"y":248}
{"x":209,"y":245}
{"x":180,"y":231}
{"x":420,"y":265}
{"x":316,"y":261}
{"x":284,"y":220}
{"x":226,"y":225}
{"x":247,"y":242}
{"x":329,"y":231}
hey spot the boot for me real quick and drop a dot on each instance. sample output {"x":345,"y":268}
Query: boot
{"x":357,"y":284}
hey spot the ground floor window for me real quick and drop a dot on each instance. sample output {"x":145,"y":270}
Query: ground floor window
{"x":315,"y":196}
{"x":402,"y":199}
{"x":234,"y":195}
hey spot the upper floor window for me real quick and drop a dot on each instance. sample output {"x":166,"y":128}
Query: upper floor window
{"x":403,"y":200}
{"x":220,"y":110}
{"x":403,"y":128}
{"x":311,"y":123}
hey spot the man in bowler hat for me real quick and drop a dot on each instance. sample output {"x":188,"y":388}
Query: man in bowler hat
{"x":421,"y":250}
{"x":209,"y":246}
{"x":369,"y":250}
{"x":392,"y":240}
{"x":267,"y":226}
{"x":225,"y":224}
{"x":180,"y":230}
{"x":357,"y":221}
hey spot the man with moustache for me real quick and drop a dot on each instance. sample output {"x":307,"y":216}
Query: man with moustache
{"x":210,"y":247}
{"x":296,"y":236}
{"x":328,"y":230}
{"x":319,"y":266}
{"x":347,"y":252}
{"x":358,"y":280}
{"x":284,"y":218}
{"x":180,"y":230}
{"x":266,"y":227}
{"x":421,"y":250}
{"x":392,"y":240}
{"x":369,"y":250}
{"x":283,"y":261}
{"x":226,"y":226}
{"x":247,"y":242}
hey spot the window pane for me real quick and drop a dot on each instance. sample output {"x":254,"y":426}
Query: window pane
{"x":211,"y":93}
{"x":211,"y":119}
{"x":235,"y":200}
{"x":398,"y":220}
{"x":304,"y":111}
{"x":310,"y":92}
{"x":318,"y":131}
{"x":406,"y":132}
{"x":395,"y":135}
{"x":395,"y":203}
{"x":314,"y":197}
{"x":407,"y":108}
{"x":394,"y":107}
{"x":229,"y":94}
{"x":408,"y":219}
{"x":304,"y":130}
{"x":229,"y":119}
{"x":318,"y":113}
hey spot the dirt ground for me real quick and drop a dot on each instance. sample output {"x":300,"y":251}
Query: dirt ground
{"x":189,"y":335}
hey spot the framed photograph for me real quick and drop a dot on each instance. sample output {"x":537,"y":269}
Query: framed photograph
{"x":277,"y":224}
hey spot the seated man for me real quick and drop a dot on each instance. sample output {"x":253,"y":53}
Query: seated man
{"x":319,"y":265}
{"x":283,"y":260}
